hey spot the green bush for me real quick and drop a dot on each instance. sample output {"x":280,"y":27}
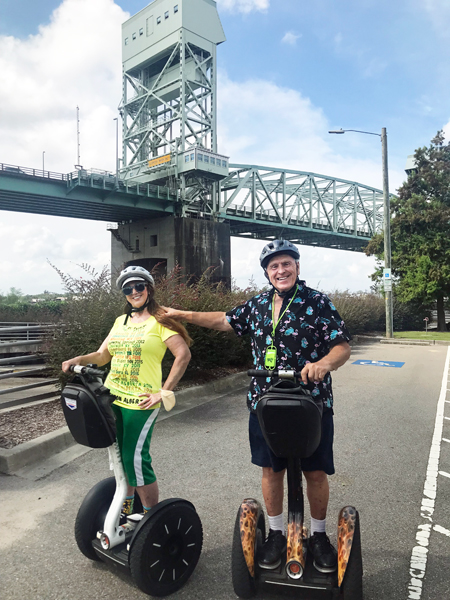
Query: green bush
{"x":92,"y":305}
{"x":366,"y":312}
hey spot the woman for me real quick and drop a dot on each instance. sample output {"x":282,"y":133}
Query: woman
{"x":136,"y":346}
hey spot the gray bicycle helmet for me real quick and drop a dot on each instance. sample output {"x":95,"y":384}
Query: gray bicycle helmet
{"x":134,"y":273}
{"x":277,"y":247}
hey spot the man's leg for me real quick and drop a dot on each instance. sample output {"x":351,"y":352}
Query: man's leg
{"x":273,"y":491}
{"x":318,"y":493}
{"x":317,"y":490}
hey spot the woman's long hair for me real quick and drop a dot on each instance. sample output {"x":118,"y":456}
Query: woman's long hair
{"x":156,"y":311}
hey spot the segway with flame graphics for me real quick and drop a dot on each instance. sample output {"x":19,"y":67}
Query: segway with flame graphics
{"x":291,"y":422}
{"x":161,"y":548}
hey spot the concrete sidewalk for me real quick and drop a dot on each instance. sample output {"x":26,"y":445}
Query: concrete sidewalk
{"x":39,"y":457}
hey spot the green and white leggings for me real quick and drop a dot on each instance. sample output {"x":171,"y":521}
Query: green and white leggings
{"x":134,"y":433}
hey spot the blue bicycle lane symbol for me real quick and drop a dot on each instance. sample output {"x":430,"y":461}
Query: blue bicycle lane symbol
{"x":379,"y":363}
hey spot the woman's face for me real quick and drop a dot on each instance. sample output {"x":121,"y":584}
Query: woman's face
{"x":137,"y":299}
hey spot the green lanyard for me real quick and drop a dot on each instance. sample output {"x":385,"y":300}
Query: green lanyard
{"x":270,"y":360}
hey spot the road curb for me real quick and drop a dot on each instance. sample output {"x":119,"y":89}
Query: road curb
{"x":357,"y":339}
{"x":35,"y":451}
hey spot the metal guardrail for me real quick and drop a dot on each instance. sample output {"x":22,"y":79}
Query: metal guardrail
{"x":23,"y":334}
{"x":23,"y":331}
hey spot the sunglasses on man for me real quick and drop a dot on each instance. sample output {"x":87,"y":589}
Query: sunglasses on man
{"x":139,"y":286}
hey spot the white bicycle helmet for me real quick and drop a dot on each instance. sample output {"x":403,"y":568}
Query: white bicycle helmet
{"x":134,"y":273}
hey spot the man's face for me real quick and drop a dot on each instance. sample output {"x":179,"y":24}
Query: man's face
{"x":283,"y":272}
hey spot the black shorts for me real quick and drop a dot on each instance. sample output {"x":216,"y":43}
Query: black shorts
{"x":321,"y":460}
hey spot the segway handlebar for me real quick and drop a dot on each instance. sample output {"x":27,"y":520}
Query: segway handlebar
{"x":86,"y":370}
{"x":286,"y":374}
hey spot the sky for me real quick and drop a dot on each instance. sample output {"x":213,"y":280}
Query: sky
{"x":290,"y":71}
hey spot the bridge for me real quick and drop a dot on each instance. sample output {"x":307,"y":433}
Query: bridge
{"x":175,"y":199}
{"x":256,"y":202}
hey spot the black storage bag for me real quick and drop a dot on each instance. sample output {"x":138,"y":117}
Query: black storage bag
{"x":88,"y":413}
{"x":290,"y":419}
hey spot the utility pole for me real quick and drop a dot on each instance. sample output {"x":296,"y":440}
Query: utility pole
{"x":387,"y":233}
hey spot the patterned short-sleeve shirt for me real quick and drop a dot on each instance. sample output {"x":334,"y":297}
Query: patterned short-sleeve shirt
{"x":307,"y":331}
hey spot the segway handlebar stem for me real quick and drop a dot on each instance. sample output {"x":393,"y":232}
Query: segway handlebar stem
{"x":86,"y":371}
{"x":282,"y":374}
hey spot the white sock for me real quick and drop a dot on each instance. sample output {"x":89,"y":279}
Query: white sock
{"x":317,"y":525}
{"x":276,"y":523}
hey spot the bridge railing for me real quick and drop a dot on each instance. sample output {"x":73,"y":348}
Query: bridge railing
{"x":15,"y":170}
{"x":96,"y":178}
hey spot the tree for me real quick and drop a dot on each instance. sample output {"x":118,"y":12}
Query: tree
{"x":420,"y":230}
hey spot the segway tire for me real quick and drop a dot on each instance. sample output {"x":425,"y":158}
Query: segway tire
{"x":244,"y":584}
{"x":352,"y":584}
{"x":91,"y":515}
{"x":166,"y":549}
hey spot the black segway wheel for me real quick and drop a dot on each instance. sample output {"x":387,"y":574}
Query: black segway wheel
{"x":352,"y":584}
{"x":91,"y":515}
{"x":166,"y":549}
{"x":244,"y":584}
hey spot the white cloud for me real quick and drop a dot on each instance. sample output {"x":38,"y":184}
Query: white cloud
{"x":439,"y":14}
{"x":244,"y":6}
{"x":282,"y":128}
{"x":290,"y":38}
{"x":72,"y":61}
{"x":446,"y":129}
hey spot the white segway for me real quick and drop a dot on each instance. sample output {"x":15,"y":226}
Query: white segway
{"x":159,"y":549}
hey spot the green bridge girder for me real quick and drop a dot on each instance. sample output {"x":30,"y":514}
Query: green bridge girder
{"x":306,"y":208}
{"x":258,"y":202}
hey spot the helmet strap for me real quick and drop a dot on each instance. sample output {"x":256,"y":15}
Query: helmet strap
{"x":285,"y":293}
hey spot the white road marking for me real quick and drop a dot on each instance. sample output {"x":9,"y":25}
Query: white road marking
{"x":418,"y":563}
{"x":444,"y":474}
{"x":446,"y":440}
{"x":440,"y":529}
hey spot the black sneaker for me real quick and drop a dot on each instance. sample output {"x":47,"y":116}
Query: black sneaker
{"x":324,"y":554}
{"x":269,"y":555}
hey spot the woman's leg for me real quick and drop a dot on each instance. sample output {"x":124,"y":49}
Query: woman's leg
{"x":137,"y":432}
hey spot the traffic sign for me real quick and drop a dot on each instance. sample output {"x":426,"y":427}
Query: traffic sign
{"x":387,"y":285}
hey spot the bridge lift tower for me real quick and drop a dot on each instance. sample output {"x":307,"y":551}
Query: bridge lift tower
{"x":169,"y":133}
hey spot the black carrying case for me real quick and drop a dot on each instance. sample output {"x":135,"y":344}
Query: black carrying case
{"x":89,"y":416}
{"x":291,"y":420}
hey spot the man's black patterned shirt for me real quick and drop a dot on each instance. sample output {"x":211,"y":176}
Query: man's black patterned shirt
{"x":307,"y":331}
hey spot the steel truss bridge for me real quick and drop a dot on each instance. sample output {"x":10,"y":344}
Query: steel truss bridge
{"x":258,"y":202}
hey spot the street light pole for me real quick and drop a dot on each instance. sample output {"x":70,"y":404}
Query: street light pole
{"x":43,"y":169}
{"x":386,"y":223}
{"x":387,"y":233}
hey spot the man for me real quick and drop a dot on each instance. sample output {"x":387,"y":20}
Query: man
{"x":301,"y":330}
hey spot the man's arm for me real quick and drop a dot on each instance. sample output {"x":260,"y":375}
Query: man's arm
{"x":211,"y":320}
{"x":336,"y":357}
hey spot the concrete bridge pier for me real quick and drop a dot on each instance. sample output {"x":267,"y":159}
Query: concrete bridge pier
{"x":194,"y":244}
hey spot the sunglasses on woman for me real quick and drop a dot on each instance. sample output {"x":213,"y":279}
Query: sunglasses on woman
{"x":138,"y":286}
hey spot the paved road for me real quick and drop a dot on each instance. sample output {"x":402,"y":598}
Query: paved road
{"x":385,"y":421}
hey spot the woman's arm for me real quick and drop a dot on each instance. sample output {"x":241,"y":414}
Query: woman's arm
{"x":99,"y":358}
{"x":182,"y":355}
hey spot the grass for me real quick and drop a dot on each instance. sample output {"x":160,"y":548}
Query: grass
{"x":423,"y":335}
